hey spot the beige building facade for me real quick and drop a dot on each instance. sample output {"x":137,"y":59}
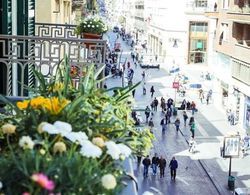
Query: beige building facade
{"x":54,"y":11}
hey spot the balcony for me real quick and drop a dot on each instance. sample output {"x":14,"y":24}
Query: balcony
{"x":197,"y":7}
{"x":43,"y":52}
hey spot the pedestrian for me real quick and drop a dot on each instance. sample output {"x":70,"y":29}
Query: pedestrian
{"x":144,"y":89}
{"x":128,"y":65}
{"x":133,"y":93}
{"x":185,"y":117}
{"x":163,"y":104}
{"x":192,"y":125}
{"x":105,"y":86}
{"x":193,"y":107}
{"x":201,"y":95}
{"x":152,"y":105}
{"x":155,"y":162}
{"x":151,"y":124}
{"x":156,"y":102}
{"x":164,"y":124}
{"x":177,"y":124}
{"x":152,"y":90}
{"x":168,"y":115}
{"x":192,"y":145}
{"x":146,"y":163}
{"x":156,"y":57}
{"x":147,"y":113}
{"x":207,"y":99}
{"x":143,"y":76}
{"x":173,"y":165}
{"x":215,"y":6}
{"x":133,"y":56}
{"x":162,"y":166}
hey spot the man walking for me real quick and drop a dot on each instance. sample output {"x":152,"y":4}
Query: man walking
{"x":177,"y":124}
{"x":192,"y":126}
{"x":162,"y":166}
{"x":146,"y":163}
{"x":152,"y":90}
{"x":155,"y":104}
{"x":185,"y":117}
{"x":164,"y":124}
{"x":155,"y":162}
{"x":147,"y":113}
{"x":173,"y":165}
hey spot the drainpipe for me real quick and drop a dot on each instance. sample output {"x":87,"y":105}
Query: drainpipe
{"x":14,"y":65}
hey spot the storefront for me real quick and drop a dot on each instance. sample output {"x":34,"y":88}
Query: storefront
{"x":247,"y":115}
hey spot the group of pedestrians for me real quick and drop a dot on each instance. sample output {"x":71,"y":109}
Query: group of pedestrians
{"x":160,"y":163}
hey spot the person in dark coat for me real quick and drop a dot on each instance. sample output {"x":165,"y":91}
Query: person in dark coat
{"x":162,"y":166}
{"x":146,"y":163}
{"x":155,"y":162}
{"x":147,"y":113}
{"x":156,"y":102}
{"x":173,"y":165}
{"x":152,"y":91}
{"x":163,"y":124}
{"x":185,"y":117}
{"x":177,"y":124}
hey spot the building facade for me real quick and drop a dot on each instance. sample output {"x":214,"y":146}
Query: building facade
{"x":232,"y":58}
{"x":57,"y":11}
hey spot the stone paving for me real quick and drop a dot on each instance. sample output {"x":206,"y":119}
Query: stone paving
{"x":204,"y":172}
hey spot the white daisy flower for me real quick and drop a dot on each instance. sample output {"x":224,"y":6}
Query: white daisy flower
{"x":90,"y":150}
{"x":147,"y":193}
{"x":113,"y":150}
{"x":77,"y":136}
{"x":108,"y":181}
{"x":58,"y":127}
{"x":125,"y":150}
{"x":26,"y":142}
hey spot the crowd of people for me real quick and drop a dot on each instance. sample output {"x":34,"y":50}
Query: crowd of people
{"x":169,"y":115}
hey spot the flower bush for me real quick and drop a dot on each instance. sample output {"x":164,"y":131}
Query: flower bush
{"x":91,"y":24}
{"x":67,"y":140}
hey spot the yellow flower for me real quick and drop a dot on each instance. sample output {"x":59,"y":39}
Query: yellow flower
{"x":8,"y":129}
{"x":59,"y":147}
{"x":23,"y":105}
{"x":55,"y":105}
{"x":98,"y":141}
{"x":37,"y":102}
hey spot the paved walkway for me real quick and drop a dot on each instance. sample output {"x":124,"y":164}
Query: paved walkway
{"x":203,"y":172}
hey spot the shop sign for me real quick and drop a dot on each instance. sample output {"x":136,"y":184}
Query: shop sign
{"x":231,"y":147}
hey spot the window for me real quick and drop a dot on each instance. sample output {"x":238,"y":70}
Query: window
{"x":224,"y":33}
{"x":225,"y":4}
{"x":198,"y":26}
{"x":200,"y":3}
{"x":57,"y":6}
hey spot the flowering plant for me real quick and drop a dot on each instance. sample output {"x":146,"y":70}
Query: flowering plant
{"x":68,"y":140}
{"x":93,"y":25}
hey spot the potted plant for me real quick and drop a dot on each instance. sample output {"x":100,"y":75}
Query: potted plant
{"x":68,"y":140}
{"x":91,"y":27}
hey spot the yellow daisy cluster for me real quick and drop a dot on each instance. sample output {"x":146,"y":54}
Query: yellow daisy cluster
{"x":54,"y":105}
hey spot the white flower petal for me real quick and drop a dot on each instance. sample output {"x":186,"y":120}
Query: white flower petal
{"x":113,"y":150}
{"x":108,"y":181}
{"x":77,"y":136}
{"x":49,"y":128}
{"x":125,"y":150}
{"x":90,"y":150}
{"x":63,"y":127}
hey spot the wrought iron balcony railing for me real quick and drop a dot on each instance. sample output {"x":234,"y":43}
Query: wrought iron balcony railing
{"x":43,"y":52}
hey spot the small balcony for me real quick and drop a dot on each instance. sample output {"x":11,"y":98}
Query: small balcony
{"x":240,"y":6}
{"x":197,"y":7}
{"x":43,"y":52}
